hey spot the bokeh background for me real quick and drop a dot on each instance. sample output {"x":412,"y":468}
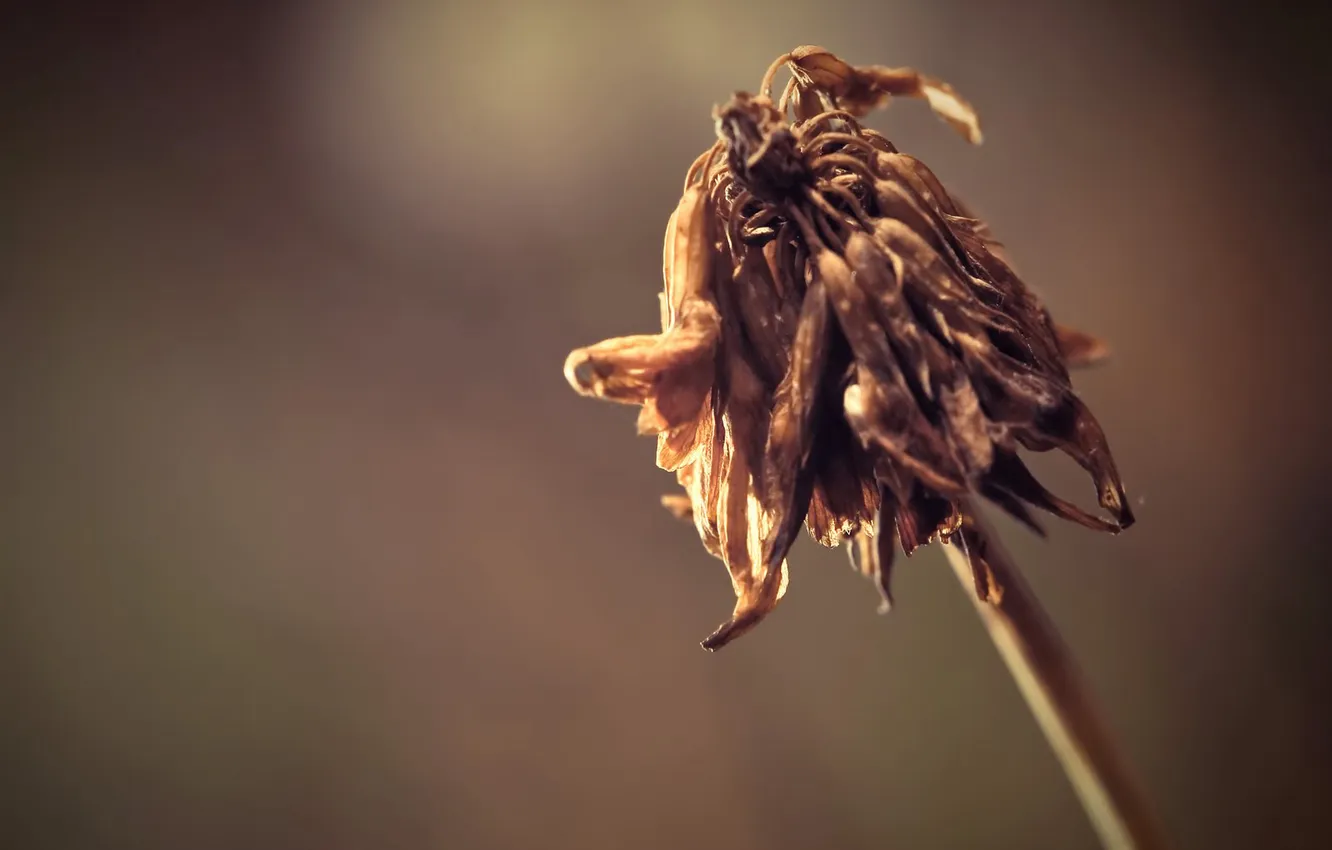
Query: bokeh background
{"x":306,"y":544}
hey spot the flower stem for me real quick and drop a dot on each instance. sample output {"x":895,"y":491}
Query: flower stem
{"x":1048,"y":678}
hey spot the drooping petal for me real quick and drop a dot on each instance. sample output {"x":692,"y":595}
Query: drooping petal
{"x":872,"y":550}
{"x":794,"y":425}
{"x":859,"y":89}
{"x":669,"y":374}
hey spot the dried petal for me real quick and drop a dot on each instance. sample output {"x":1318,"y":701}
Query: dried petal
{"x":1080,"y":348}
{"x":689,"y":272}
{"x":859,"y":90}
{"x":886,"y":420}
{"x":1011,"y":475}
{"x":679,"y":505}
{"x":669,"y":374}
{"x":794,"y":425}
{"x":768,"y":319}
{"x":872,"y":556}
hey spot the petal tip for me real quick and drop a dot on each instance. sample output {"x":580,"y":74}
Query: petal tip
{"x":580,"y":372}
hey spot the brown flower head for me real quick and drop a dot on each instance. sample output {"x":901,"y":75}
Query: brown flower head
{"x":843,"y":345}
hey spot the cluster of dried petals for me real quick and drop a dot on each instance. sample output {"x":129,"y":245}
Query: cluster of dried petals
{"x":843,"y":344}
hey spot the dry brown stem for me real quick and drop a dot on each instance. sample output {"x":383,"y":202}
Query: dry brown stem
{"x":1052,"y":685}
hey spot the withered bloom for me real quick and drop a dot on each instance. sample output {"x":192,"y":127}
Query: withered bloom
{"x":843,"y":344}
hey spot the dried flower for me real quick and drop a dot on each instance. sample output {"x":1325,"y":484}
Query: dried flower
{"x":844,"y":345}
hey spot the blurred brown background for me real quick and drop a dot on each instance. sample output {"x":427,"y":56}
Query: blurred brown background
{"x":306,"y":544}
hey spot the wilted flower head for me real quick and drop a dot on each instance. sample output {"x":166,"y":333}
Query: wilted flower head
{"x":843,"y":344}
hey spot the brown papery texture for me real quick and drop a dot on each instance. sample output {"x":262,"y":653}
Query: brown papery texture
{"x":844,"y":344}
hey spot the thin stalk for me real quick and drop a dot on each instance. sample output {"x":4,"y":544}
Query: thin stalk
{"x":1048,"y":678}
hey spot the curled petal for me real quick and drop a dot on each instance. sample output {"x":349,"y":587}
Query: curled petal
{"x":861,"y":89}
{"x":750,"y":609}
{"x":1010,"y":475}
{"x":819,"y":68}
{"x":1074,"y":430}
{"x":669,"y":374}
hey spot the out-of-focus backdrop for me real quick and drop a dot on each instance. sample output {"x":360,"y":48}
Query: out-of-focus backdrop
{"x":306,"y":543}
